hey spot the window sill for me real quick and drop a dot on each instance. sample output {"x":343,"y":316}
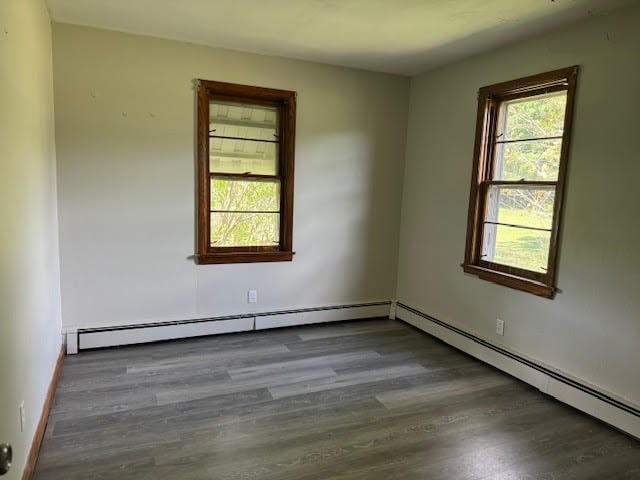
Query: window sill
{"x":243,"y":257}
{"x":511,"y":281}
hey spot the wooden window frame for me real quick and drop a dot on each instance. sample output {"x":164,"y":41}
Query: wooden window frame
{"x":285,"y":102}
{"x":489,"y":100}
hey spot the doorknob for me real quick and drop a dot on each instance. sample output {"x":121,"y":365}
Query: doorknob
{"x":6,"y":454}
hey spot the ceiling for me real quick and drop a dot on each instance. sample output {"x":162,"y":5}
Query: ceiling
{"x":396,"y":36}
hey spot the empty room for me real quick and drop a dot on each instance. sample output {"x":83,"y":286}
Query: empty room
{"x":319,"y":239}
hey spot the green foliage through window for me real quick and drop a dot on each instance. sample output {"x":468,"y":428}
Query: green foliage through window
{"x":244,"y":213}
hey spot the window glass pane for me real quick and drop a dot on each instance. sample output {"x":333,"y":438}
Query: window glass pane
{"x":524,"y":206}
{"x":245,"y":195}
{"x":243,"y":120}
{"x":242,"y":156}
{"x":517,"y":226}
{"x":245,"y":229}
{"x":530,"y":160}
{"x":516,"y":247}
{"x":532,"y":117}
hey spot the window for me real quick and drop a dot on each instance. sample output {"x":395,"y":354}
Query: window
{"x":520,"y":163}
{"x":246,"y":138}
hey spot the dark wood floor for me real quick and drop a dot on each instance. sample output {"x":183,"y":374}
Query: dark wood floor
{"x":361,"y":400}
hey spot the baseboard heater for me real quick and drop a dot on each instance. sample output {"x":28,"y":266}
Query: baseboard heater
{"x":568,"y":390}
{"x":87,"y":338}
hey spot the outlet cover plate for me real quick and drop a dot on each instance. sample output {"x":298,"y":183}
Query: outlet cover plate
{"x":500,"y":327}
{"x":23,"y":416}
{"x":252,"y":296}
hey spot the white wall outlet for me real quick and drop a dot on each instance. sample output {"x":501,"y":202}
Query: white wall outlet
{"x":500,"y":327}
{"x":252,"y":297}
{"x":23,"y":416}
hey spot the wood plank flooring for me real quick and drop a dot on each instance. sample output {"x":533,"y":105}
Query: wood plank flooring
{"x":362,"y":400}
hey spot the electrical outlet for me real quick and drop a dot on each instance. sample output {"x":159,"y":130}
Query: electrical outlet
{"x":500,"y":327}
{"x":252,"y":296}
{"x":23,"y":416}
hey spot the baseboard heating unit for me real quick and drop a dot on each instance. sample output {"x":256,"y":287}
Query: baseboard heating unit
{"x":87,"y":338}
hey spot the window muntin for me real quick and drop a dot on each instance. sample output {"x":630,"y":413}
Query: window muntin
{"x":245,"y":148}
{"x":522,"y":144}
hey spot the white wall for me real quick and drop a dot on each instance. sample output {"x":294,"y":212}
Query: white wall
{"x":29,"y":269}
{"x":125,"y":136}
{"x":592,"y":329}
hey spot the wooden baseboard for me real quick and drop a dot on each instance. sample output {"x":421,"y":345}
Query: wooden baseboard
{"x":44,"y":418}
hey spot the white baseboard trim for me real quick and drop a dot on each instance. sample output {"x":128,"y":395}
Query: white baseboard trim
{"x":578,"y":394}
{"x":71,"y":341}
{"x":155,"y":333}
{"x":307,"y":317}
{"x":87,"y":338}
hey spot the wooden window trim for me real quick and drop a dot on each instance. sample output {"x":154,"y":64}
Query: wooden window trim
{"x":489,"y":98}
{"x":285,"y":101}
